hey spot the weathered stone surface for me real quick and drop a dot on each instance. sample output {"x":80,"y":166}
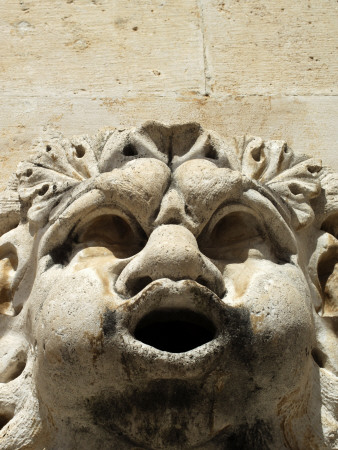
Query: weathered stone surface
{"x":265,"y":48}
{"x":163,"y":287}
{"x":267,"y":69}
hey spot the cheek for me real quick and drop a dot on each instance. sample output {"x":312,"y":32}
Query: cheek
{"x":279,"y":303}
{"x":71,"y":350}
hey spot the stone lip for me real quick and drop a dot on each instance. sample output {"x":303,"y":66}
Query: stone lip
{"x":167,"y":294}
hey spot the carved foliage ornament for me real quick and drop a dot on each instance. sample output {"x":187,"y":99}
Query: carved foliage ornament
{"x":163,"y":287}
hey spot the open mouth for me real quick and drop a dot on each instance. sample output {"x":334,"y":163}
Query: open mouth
{"x":172,"y":329}
{"x":175,"y":330}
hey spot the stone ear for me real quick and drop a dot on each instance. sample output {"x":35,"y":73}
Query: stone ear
{"x":325,"y":354}
{"x":8,"y":267}
{"x":327,"y":268}
{"x":9,"y":220}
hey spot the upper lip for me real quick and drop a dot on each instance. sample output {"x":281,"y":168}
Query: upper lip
{"x":168,"y":294}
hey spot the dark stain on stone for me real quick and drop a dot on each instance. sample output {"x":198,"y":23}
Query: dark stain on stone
{"x":96,"y":343}
{"x":256,"y":437}
{"x":68,"y":354}
{"x":145,"y":411}
{"x":61,"y":253}
{"x":161,"y":412}
{"x":109,"y":322}
{"x":246,"y":437}
{"x":236,"y":324}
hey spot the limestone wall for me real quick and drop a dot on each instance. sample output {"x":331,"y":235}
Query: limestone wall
{"x":267,"y":68}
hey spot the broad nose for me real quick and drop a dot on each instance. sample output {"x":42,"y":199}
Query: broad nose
{"x":171,"y":252}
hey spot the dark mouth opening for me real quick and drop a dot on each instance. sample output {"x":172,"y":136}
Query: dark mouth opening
{"x":175,"y":331}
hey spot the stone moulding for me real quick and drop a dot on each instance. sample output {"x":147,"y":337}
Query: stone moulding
{"x":165,"y":287}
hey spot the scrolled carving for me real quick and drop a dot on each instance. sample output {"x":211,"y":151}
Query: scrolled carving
{"x":164,"y":287}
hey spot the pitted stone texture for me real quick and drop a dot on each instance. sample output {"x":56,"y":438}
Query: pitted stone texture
{"x":163,"y":287}
{"x":236,"y":66}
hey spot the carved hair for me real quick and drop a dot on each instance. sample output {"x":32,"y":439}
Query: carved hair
{"x":303,"y":193}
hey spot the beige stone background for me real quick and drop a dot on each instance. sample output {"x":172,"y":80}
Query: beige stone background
{"x":259,"y":67}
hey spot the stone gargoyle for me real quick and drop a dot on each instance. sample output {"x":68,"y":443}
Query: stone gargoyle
{"x":166,"y":288}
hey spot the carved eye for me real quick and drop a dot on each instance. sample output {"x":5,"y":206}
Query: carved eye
{"x":115,"y":233}
{"x":235,"y":230}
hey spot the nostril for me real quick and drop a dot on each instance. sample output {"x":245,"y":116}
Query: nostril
{"x":135,"y":286}
{"x":203,"y":281}
{"x":217,"y":288}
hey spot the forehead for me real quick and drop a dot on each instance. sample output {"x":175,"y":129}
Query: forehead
{"x":154,"y":194}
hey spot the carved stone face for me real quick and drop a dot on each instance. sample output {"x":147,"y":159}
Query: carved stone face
{"x":168,"y":312}
{"x":164,"y":288}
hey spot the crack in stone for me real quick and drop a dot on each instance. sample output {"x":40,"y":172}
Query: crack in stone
{"x":206,"y":73}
